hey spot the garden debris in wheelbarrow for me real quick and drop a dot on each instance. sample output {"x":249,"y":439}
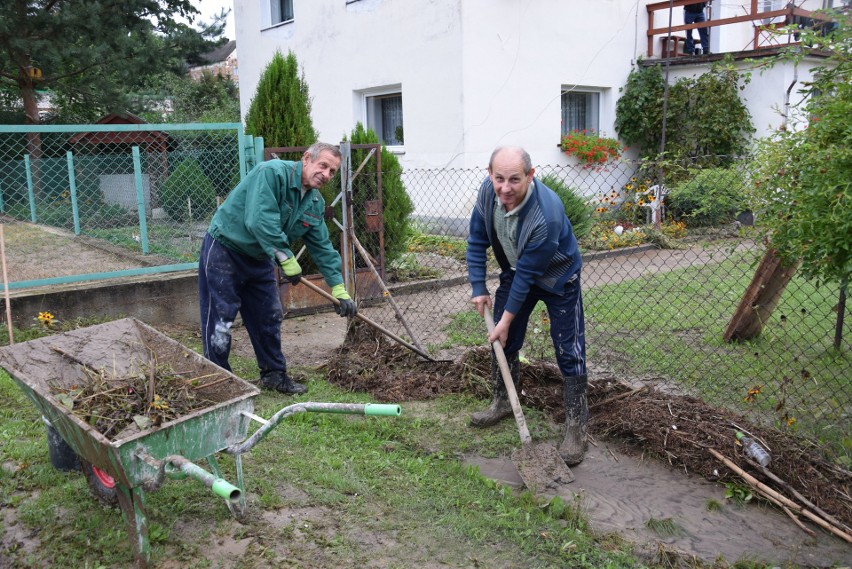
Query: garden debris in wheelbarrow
{"x":120,"y":378}
{"x":119,"y":404}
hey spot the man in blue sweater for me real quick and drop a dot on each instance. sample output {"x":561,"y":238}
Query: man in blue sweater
{"x":524,"y":222}
{"x":276,"y":204}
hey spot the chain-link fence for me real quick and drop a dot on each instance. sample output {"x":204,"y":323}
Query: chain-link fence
{"x":150,"y":189}
{"x":658,"y":301}
{"x":660,"y":286}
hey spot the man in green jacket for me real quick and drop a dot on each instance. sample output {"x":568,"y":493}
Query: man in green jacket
{"x":276,"y":204}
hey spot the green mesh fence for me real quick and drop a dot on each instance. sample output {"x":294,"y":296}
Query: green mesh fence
{"x":659,"y":298}
{"x":147,"y":189}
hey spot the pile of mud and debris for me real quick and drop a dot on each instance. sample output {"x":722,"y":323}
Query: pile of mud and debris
{"x":683,"y":431}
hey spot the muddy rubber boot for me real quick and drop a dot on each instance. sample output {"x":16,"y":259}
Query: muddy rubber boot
{"x":281,"y":382}
{"x":575,"y":443}
{"x":500,"y":407}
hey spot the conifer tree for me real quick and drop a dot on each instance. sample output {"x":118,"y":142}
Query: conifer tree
{"x":280,"y":110}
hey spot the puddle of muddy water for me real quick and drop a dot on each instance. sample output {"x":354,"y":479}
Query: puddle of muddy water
{"x":620,"y":494}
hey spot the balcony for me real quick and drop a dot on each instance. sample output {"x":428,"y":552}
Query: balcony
{"x":754,"y":31}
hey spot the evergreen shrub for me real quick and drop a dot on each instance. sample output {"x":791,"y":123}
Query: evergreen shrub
{"x":712,"y":197}
{"x":577,"y":208}
{"x":188,"y":194}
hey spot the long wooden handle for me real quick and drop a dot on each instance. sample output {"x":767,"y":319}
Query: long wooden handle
{"x":507,"y":381}
{"x":6,"y":287}
{"x":363,"y":318}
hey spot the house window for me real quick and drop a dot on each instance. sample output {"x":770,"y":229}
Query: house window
{"x":384,"y":116}
{"x":281,"y":11}
{"x":769,"y":6}
{"x":580,"y":110}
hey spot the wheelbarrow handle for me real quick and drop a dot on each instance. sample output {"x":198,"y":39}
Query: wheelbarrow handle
{"x":373,"y":409}
{"x":178,"y":467}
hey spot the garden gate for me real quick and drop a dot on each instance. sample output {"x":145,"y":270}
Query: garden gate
{"x":354,"y":215}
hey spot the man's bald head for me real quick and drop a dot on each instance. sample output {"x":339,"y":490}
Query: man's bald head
{"x":508,"y":152}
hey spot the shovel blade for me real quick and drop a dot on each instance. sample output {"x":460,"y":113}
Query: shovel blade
{"x":541,"y":468}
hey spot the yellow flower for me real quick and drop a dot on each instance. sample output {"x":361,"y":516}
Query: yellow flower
{"x":159,"y":403}
{"x":45,"y":318}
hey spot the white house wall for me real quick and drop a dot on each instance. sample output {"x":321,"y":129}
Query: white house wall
{"x":767,"y":94}
{"x":519,"y":56}
{"x":475,"y":74}
{"x":347,"y":49}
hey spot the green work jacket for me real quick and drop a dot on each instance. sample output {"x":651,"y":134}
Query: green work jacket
{"x":266,"y":212}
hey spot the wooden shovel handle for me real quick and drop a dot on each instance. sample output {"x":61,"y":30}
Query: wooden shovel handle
{"x":507,"y":381}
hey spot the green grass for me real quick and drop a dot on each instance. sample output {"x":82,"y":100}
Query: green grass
{"x":658,"y":328}
{"x":454,"y":247}
{"x":399,"y":476}
{"x":665,"y":527}
{"x":163,"y":240}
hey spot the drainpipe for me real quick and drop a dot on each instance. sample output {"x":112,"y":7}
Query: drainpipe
{"x":785,"y":116}
{"x":665,"y":94}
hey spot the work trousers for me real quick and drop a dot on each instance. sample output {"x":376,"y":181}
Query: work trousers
{"x":228,"y":283}
{"x":567,"y":325}
{"x":703,"y":33}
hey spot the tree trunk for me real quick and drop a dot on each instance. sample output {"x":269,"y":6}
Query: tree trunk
{"x":760,"y":298}
{"x":34,"y":149}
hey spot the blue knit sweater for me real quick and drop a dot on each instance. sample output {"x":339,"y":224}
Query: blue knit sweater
{"x":548,"y":255}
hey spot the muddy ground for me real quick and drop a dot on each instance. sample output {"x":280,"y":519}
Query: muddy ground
{"x":649,"y":458}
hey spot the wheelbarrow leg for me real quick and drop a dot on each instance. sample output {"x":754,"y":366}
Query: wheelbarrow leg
{"x":237,"y":510}
{"x":132,"y":502}
{"x":241,"y":506}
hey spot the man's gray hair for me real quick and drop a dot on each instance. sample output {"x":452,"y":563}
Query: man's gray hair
{"x":317,"y":148}
{"x":522,"y":154}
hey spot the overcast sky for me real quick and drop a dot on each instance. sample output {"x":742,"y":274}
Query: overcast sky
{"x":210,"y":8}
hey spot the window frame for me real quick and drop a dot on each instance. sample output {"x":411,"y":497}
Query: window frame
{"x":598,"y":94}
{"x":267,"y":13}
{"x":371,"y":97}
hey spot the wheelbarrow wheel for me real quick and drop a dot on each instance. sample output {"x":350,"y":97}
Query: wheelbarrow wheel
{"x":101,"y":484}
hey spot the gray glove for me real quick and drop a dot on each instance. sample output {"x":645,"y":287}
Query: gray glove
{"x":346,"y":308}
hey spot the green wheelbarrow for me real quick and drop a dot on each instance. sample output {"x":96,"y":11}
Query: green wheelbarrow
{"x":120,"y":470}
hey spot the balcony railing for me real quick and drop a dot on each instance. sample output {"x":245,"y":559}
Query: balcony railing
{"x":765,"y":35}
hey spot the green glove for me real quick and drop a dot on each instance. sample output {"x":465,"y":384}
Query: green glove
{"x":292,"y":270}
{"x":347,"y":306}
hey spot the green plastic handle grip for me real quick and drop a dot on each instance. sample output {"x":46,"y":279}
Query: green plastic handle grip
{"x":225,"y":489}
{"x":382,"y":409}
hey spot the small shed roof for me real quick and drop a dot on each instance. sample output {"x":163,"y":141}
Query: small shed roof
{"x":147,"y":137}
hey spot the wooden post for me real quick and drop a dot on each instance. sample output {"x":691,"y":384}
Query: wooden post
{"x":760,"y":298}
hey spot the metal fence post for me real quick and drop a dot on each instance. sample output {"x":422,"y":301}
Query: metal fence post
{"x":258,"y":150}
{"x":72,"y":185}
{"x":30,"y":189}
{"x":140,"y":200}
{"x":346,"y":248}
{"x":246,"y":145}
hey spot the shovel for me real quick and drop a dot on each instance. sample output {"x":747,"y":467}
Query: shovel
{"x":540,"y":466}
